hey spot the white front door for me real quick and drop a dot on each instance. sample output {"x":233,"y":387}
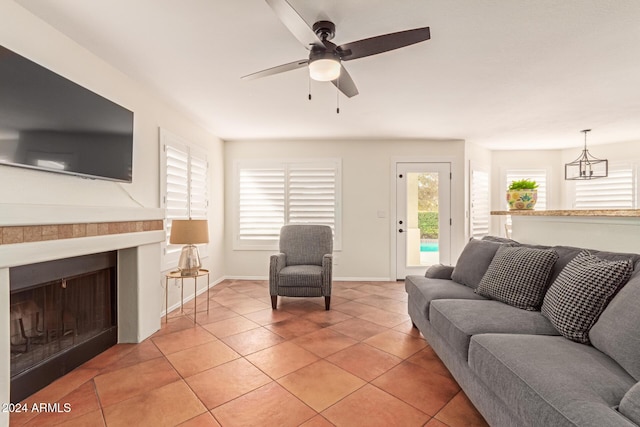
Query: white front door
{"x":423,"y":216}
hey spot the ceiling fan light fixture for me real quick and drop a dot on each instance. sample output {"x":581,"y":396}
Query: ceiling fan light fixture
{"x":325,"y":69}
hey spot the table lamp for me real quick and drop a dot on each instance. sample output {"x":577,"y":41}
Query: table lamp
{"x":189,"y":232}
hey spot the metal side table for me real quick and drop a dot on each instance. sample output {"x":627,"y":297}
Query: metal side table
{"x":176,"y":275}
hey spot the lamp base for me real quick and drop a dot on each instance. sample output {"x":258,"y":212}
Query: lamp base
{"x":189,"y":263}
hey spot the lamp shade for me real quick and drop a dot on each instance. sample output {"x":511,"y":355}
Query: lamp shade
{"x":189,"y":231}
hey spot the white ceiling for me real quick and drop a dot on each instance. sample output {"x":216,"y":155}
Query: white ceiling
{"x":505,"y":74}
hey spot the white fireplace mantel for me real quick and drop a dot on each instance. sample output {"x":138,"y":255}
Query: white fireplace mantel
{"x":139,"y":298}
{"x":30,"y":253}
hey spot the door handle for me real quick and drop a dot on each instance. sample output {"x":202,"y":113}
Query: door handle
{"x":401,"y":231}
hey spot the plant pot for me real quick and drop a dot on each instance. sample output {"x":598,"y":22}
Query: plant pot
{"x":522,"y":199}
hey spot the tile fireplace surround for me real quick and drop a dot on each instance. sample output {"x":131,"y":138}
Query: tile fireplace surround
{"x":136,"y":235}
{"x":40,"y":233}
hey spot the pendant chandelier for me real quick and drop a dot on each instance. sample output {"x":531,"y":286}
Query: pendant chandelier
{"x":586,"y":166}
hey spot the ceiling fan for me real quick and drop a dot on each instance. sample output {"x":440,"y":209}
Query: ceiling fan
{"x":325,"y":58}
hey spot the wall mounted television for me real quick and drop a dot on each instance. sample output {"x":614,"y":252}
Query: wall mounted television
{"x":50,"y":123}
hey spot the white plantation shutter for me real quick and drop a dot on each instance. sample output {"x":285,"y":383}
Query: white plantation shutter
{"x":177,"y":182}
{"x":479,"y":204}
{"x":262,"y":204}
{"x":176,"y":196}
{"x":198,"y":188}
{"x":184,"y":187}
{"x":616,"y":191}
{"x":312,"y":195}
{"x":272,"y":194}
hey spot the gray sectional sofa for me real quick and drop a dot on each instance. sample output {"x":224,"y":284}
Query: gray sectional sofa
{"x":514,"y":364}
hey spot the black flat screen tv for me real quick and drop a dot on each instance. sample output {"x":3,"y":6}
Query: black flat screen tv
{"x":50,"y":123}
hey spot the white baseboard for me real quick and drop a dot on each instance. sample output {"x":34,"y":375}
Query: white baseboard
{"x":246,"y":277}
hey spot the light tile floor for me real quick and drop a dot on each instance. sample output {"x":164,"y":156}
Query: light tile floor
{"x":243,"y":364}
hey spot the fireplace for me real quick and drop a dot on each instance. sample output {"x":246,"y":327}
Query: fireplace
{"x":62,"y":313}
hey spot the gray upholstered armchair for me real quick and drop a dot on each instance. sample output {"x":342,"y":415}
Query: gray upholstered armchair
{"x":304,"y":265}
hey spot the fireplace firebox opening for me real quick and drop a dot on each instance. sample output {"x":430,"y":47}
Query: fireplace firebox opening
{"x":62,"y":313}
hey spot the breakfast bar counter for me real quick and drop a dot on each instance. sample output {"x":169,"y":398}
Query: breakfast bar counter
{"x":603,"y":229}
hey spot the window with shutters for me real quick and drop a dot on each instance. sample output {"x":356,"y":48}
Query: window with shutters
{"x":616,"y":191}
{"x":271,"y":194}
{"x":480,"y":197}
{"x":184,"y":188}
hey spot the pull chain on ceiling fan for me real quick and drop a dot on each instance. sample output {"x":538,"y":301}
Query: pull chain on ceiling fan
{"x":325,"y":58}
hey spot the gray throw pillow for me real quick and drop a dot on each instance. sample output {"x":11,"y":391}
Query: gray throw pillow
{"x":518,"y":276}
{"x":439,"y":271}
{"x":630,"y":404}
{"x":474,"y":261}
{"x":581,"y":292}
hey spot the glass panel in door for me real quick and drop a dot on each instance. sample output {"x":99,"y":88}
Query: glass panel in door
{"x":422,"y":216}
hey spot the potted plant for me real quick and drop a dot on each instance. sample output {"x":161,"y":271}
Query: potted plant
{"x":522,"y":194}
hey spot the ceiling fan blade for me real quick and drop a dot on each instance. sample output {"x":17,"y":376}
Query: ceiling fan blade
{"x":294,"y":22}
{"x":383,"y":43}
{"x":276,"y":70}
{"x":345,"y":83}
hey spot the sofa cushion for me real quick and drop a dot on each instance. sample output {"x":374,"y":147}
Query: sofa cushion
{"x":474,"y":261}
{"x":581,"y":292}
{"x":439,"y":271}
{"x":499,"y":239}
{"x":422,"y":291}
{"x":305,"y":244}
{"x":301,"y":276}
{"x":567,"y":253}
{"x":630,"y":404}
{"x":458,"y":320}
{"x":551,"y":381}
{"x":518,"y":276}
{"x":616,"y":332}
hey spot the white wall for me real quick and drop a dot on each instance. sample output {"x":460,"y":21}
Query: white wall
{"x":368,"y":240}
{"x":51,"y":194}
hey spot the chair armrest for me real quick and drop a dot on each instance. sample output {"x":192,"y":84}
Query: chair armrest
{"x":327,"y":259}
{"x":327,"y":273}
{"x":276,"y":263}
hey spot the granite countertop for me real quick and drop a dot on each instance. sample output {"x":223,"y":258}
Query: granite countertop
{"x":581,"y":212}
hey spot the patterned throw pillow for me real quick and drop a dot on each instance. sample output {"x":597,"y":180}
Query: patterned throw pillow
{"x":518,"y":276}
{"x":581,"y":292}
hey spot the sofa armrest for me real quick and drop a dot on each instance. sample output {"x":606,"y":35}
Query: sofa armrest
{"x":439,"y":271}
{"x":327,"y":272}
